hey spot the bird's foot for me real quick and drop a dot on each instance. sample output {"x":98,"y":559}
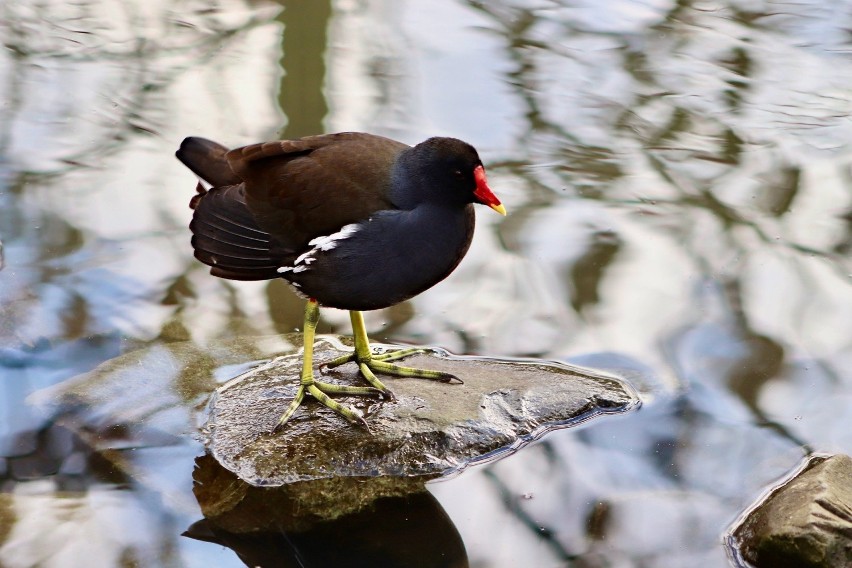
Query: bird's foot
{"x":373,"y":363}
{"x":323,"y":392}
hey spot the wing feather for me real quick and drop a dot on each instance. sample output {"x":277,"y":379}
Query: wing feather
{"x":225,"y":237}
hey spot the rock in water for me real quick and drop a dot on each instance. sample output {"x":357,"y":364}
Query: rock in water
{"x":805,"y":523}
{"x":431,"y":429}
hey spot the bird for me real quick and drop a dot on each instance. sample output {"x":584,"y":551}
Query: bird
{"x":350,"y":220}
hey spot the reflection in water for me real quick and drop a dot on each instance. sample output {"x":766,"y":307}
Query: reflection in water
{"x":301,"y":93}
{"x":338,"y":522}
{"x":68,"y":501}
{"x":678,"y":177}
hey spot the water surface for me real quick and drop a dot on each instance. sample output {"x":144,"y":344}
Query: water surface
{"x":677,"y":177}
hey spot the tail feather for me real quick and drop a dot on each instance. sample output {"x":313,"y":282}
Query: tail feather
{"x":207,"y":159}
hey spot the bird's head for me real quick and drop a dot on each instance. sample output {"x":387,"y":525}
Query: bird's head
{"x":451,"y":170}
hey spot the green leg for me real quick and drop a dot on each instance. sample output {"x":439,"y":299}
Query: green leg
{"x":319,"y":390}
{"x":370,"y":364}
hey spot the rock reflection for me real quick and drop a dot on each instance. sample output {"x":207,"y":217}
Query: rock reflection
{"x":353,"y":522}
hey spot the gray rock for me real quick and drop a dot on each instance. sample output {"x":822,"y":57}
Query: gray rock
{"x":807,"y":522}
{"x":431,"y":429}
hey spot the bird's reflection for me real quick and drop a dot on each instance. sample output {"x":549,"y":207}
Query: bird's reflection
{"x":348,"y":522}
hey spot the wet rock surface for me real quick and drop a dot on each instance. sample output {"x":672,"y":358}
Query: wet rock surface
{"x":807,"y":522}
{"x":431,"y":429}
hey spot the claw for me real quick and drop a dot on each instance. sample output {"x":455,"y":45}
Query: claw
{"x":368,"y":363}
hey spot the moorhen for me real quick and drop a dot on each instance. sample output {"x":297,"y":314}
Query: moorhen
{"x":350,"y":220}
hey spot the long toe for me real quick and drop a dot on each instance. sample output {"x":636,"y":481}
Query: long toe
{"x":411,"y":372}
{"x":349,"y":413}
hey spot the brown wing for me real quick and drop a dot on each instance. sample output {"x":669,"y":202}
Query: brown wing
{"x":301,"y":189}
{"x":226,"y":237}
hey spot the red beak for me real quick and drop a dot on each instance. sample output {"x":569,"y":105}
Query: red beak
{"x":484,"y":194}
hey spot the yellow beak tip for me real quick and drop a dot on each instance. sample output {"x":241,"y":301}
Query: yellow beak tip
{"x":499,"y":209}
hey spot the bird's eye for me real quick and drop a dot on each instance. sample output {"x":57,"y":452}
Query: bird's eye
{"x":458,"y":174}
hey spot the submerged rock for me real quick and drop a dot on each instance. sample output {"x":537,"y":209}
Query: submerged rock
{"x":807,"y":522}
{"x":431,"y":429}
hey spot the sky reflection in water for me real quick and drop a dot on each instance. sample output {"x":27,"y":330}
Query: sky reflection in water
{"x":677,"y":176}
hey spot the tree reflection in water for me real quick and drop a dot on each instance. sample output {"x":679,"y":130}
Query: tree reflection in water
{"x":677,"y":174}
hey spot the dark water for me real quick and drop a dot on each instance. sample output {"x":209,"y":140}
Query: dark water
{"x":678,"y":181}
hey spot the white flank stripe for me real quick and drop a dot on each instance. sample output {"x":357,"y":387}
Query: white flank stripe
{"x":319,"y":244}
{"x":329,"y":242}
